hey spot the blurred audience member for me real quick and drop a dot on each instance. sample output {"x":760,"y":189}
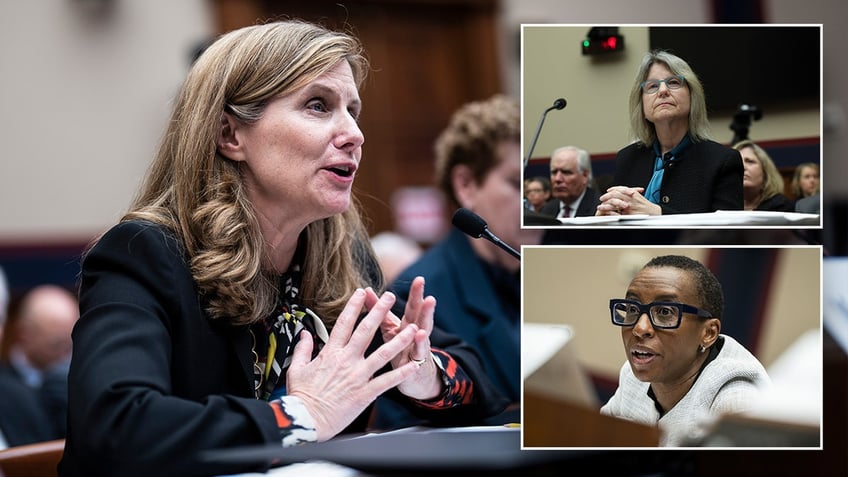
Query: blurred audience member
{"x":394,"y":253}
{"x":4,"y":301}
{"x":22,"y":419}
{"x":37,"y":349}
{"x":805,"y":181}
{"x":806,"y":188}
{"x":41,"y":332}
{"x":537,"y":193}
{"x":475,"y":283}
{"x":762,"y":183}
{"x":809,"y":205}
{"x":571,"y":176}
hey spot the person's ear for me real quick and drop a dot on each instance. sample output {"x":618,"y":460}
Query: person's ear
{"x":464,"y":186}
{"x":711,"y":330}
{"x":228,"y":142}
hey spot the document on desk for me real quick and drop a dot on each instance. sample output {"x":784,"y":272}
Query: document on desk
{"x":549,"y":365}
{"x":539,"y":343}
{"x":432,"y":430}
{"x":737,"y":218}
{"x":590,"y":220}
{"x":312,"y":469}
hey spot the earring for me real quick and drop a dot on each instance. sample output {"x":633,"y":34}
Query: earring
{"x":701,"y":348}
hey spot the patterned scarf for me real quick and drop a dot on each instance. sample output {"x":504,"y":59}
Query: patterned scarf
{"x":279,"y":333}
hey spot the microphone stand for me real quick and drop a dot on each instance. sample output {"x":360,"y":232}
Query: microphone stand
{"x":558,"y":104}
{"x":500,"y":243}
{"x":474,"y":226}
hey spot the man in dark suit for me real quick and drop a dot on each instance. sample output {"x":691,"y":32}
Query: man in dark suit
{"x":39,"y":347}
{"x":571,"y":174}
{"x":23,"y":420}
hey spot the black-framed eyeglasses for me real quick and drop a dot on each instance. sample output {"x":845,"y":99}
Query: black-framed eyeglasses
{"x":663,"y":314}
{"x":672,"y":82}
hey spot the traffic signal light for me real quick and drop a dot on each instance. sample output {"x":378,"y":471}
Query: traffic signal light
{"x":602,"y":40}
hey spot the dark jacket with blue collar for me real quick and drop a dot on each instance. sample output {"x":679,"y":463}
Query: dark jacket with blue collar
{"x":705,"y":177}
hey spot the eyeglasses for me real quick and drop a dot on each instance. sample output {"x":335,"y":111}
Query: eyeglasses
{"x":535,"y":190}
{"x":672,"y":83}
{"x":663,"y":315}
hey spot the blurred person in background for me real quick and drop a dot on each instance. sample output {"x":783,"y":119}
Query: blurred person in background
{"x":572,"y":194}
{"x":23,"y":418}
{"x":762,"y":183}
{"x":806,"y":188}
{"x":394,"y":253}
{"x":809,"y":205}
{"x":4,"y":302}
{"x":537,"y":193}
{"x":37,"y":348}
{"x":40,"y":332}
{"x":805,"y":180}
{"x":476,"y":284}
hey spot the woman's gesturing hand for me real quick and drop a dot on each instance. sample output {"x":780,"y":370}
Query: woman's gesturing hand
{"x":339,"y":383}
{"x":418,"y":314}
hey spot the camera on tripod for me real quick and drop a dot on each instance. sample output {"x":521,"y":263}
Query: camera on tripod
{"x":742,"y":121}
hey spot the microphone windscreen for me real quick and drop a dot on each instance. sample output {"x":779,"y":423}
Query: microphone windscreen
{"x":559,"y":103}
{"x":469,"y":222}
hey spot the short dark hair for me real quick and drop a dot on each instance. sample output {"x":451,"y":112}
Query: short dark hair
{"x":546,"y":183}
{"x":708,"y":287}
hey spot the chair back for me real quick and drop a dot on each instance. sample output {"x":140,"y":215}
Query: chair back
{"x":32,"y":460}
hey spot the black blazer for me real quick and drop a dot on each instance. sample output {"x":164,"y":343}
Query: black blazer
{"x":705,"y":178}
{"x":777,"y":203}
{"x":154,"y":382}
{"x":587,"y":206}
